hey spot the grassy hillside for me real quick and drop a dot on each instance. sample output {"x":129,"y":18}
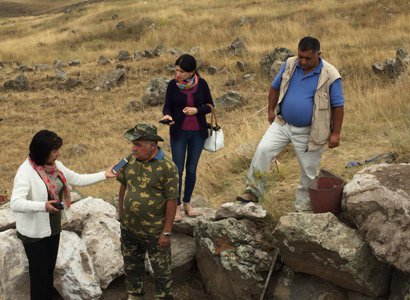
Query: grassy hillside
{"x":354,"y":35}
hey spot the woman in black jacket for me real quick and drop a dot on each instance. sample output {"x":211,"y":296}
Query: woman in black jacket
{"x":188,"y":100}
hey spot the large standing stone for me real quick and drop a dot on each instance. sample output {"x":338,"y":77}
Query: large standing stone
{"x":183,"y":256}
{"x":74,"y":276}
{"x":155,"y":92}
{"x":377,"y":200}
{"x":319,"y":244}
{"x":14,"y":277}
{"x":7,"y":218}
{"x":101,"y":235}
{"x":86,"y":208}
{"x":232,"y":258}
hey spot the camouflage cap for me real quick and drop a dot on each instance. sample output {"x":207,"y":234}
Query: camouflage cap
{"x":143,"y":132}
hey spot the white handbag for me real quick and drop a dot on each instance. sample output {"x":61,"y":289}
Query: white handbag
{"x":215,"y":140}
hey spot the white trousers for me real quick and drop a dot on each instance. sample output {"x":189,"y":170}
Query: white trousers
{"x":275,"y":139}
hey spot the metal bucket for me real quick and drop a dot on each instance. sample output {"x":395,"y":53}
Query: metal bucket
{"x":327,"y":195}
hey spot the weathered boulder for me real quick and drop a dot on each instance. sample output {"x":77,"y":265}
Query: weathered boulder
{"x":19,"y":84}
{"x":377,"y":200}
{"x":319,"y":244}
{"x":240,"y":210}
{"x":7,"y":218}
{"x":290,"y":286}
{"x":155,"y":92}
{"x":58,"y":64}
{"x":60,"y":75}
{"x":14,"y":277}
{"x":187,"y":224}
{"x":400,"y":286}
{"x":88,"y":207}
{"x":230,"y":100}
{"x":101,"y":235}
{"x":74,"y":275}
{"x":232,"y":257}
{"x":183,"y":256}
{"x":281,"y":54}
{"x":111,"y":80}
{"x":275,"y":68}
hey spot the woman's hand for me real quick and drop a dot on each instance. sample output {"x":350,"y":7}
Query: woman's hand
{"x":190,"y":111}
{"x":50,"y":208}
{"x":168,"y":117}
{"x":109,"y":173}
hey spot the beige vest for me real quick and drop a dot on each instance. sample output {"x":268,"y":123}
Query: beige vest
{"x":321,"y":119}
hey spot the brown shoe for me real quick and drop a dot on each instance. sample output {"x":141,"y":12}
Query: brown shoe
{"x":247,"y":197}
{"x":190,"y":212}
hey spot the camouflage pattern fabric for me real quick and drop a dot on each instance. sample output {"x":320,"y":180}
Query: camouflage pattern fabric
{"x":149,"y":185}
{"x":133,"y":249}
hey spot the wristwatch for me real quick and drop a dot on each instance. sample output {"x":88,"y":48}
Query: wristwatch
{"x":167,"y":234}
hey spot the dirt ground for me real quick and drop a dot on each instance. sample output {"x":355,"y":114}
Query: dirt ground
{"x":9,"y":9}
{"x":191,"y":289}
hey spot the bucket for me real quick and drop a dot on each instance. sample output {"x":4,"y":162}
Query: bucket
{"x":327,"y":195}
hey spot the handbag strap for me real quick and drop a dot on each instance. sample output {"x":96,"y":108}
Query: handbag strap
{"x":214,"y":122}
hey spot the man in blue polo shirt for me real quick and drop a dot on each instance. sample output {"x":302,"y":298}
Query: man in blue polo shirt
{"x":305,"y":108}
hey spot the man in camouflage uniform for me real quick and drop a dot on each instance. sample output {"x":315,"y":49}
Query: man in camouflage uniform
{"x":147,"y":206}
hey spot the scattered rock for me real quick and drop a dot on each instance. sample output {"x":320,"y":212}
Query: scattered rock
{"x":75,"y":62}
{"x":120,"y":25}
{"x":175,"y":51}
{"x":155,"y":92}
{"x":230,"y":100}
{"x":212,"y":70}
{"x":136,"y":106}
{"x":245,"y":20}
{"x":60,"y":75}
{"x":42,"y":67}
{"x":59,"y":64}
{"x":71,"y":83}
{"x":123,"y":55}
{"x":194,"y":51}
{"x":230,"y":82}
{"x":393,"y":68}
{"x":237,"y":47}
{"x":242,"y":66}
{"x":19,"y":84}
{"x":102,"y":60}
{"x":111,"y":80}
{"x":138,"y":55}
{"x":249,"y":77}
{"x":275,"y":68}
{"x":281,"y":54}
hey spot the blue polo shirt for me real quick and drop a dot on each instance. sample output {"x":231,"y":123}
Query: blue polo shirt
{"x":296,"y":107}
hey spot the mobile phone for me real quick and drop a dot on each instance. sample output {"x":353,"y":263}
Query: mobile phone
{"x":120,"y":165}
{"x":58,"y":205}
{"x":166,"y":121}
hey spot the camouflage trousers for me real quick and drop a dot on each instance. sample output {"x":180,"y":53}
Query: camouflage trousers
{"x":133,"y":249}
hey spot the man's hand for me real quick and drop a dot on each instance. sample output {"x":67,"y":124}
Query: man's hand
{"x":334,"y":140}
{"x":271,"y":116}
{"x":164,"y":241}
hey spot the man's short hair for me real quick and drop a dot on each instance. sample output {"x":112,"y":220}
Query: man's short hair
{"x":309,"y":43}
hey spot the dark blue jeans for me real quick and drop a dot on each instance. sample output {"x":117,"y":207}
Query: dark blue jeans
{"x":187,"y":144}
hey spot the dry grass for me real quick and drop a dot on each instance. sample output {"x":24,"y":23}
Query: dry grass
{"x":377,"y":109}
